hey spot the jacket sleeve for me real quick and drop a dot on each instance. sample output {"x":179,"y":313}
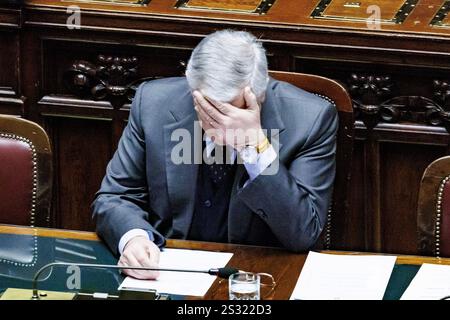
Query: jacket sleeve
{"x":294,"y":201}
{"x":121,"y":204}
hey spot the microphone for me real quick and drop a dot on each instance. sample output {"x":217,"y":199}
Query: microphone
{"x":225,"y":272}
{"x":220,"y":272}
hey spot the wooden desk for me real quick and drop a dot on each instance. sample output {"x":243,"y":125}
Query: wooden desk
{"x":283,"y":265}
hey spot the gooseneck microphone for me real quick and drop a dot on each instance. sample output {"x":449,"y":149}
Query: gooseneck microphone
{"x":223,"y":272}
{"x":220,"y":272}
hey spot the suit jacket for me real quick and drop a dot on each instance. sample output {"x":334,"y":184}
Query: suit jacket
{"x":143,"y":188}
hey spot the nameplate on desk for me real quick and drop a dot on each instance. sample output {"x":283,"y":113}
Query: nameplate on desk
{"x":231,"y":6}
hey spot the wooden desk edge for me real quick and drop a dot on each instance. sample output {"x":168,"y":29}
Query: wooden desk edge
{"x":401,"y":258}
{"x":51,"y":233}
{"x":91,"y":236}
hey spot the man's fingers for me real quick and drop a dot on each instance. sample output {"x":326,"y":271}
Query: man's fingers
{"x":206,"y":118}
{"x":208,"y":108}
{"x":139,"y":258}
{"x":132,"y":262}
{"x":154,"y":254}
{"x":142,"y":262}
{"x":123,"y":262}
{"x":224,"y":108}
{"x":149,"y":258}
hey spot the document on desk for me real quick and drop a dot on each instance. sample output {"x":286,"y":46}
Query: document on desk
{"x":432,"y":282}
{"x":182,"y":283}
{"x":343,"y":277}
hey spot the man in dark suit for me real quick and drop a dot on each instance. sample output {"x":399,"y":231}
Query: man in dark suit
{"x":272,"y":184}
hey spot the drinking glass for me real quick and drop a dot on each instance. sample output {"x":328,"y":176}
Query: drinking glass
{"x":244,"y":286}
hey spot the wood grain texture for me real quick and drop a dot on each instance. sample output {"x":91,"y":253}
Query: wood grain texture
{"x":399,"y":227}
{"x":52,"y":233}
{"x":246,"y":5}
{"x":80,"y":167}
{"x":284,"y":12}
{"x":338,"y":8}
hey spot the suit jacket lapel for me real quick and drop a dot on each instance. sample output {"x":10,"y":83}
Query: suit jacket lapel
{"x":239,"y":216}
{"x":270,"y":112}
{"x":182,"y":177}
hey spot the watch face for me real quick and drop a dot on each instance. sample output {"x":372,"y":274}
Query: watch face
{"x":249,"y":155}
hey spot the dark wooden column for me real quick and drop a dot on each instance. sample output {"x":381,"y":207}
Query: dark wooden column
{"x":11,"y":99}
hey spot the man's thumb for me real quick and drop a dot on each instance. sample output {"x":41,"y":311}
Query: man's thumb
{"x":250,"y":99}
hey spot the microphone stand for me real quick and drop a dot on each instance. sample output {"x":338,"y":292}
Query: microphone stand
{"x":221,"y":272}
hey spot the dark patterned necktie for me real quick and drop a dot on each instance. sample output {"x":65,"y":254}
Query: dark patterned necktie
{"x":221,"y":168}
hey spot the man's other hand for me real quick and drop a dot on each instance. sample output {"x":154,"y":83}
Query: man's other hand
{"x":140,"y":252}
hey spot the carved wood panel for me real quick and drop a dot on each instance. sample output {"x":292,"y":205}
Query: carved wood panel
{"x":399,"y":180}
{"x":82,"y":149}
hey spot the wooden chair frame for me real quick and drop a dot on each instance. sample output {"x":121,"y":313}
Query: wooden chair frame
{"x":429,"y":210}
{"x":334,"y":92}
{"x":35,"y":136}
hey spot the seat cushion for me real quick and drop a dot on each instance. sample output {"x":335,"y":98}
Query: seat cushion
{"x":16,"y":181}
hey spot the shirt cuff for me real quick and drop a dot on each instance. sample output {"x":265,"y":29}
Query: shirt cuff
{"x":262,"y":162}
{"x":131,"y":234}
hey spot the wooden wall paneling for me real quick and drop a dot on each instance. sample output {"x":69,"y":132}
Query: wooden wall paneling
{"x":401,"y":169}
{"x":10,"y":103}
{"x":407,"y":111}
{"x":31,"y":72}
{"x":82,"y":151}
{"x":11,"y":100}
{"x":351,"y":234}
{"x":372,"y":194}
{"x":10,"y":18}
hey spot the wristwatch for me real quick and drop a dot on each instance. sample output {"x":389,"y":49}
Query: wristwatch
{"x":250,"y":153}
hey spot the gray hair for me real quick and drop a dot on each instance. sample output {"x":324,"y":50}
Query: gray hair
{"x":225,"y":62}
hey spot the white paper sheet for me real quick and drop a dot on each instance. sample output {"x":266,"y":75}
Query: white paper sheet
{"x":343,"y":277}
{"x":182,"y":283}
{"x":432,"y":282}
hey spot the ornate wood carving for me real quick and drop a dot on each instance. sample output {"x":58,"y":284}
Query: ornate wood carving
{"x":368,"y":92}
{"x":374,"y":102}
{"x":111,"y":78}
{"x":442,"y":95}
{"x":442,"y":92}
